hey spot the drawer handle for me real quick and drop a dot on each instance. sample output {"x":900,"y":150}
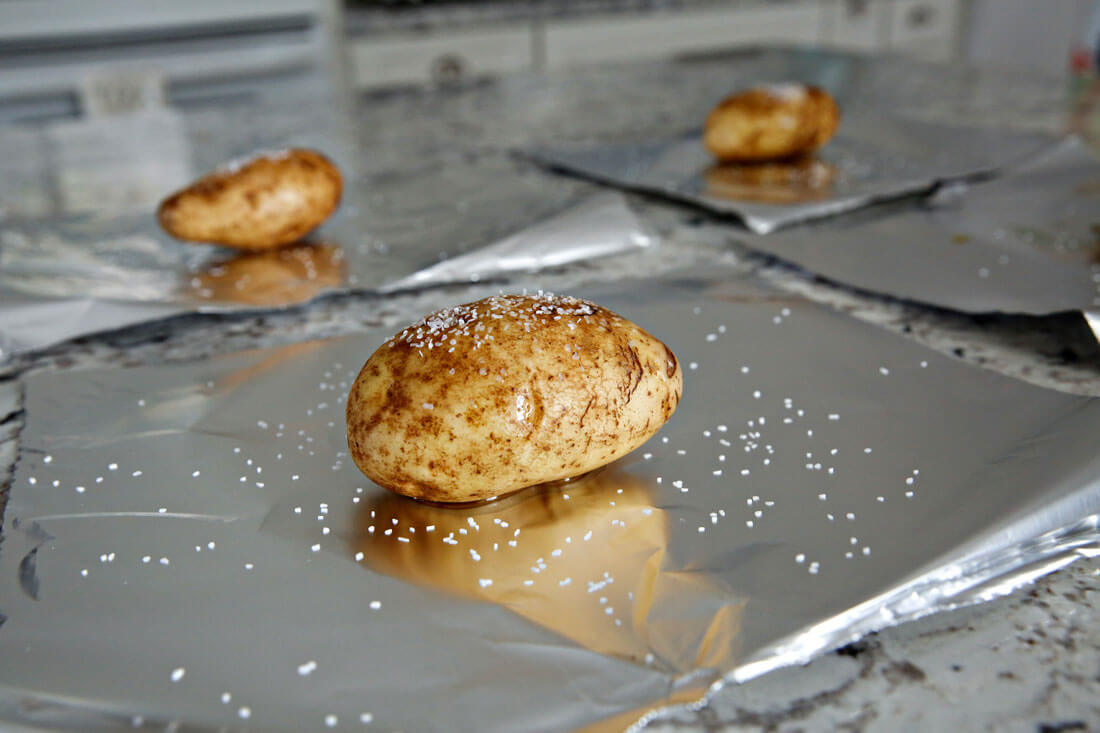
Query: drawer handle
{"x":920,"y":16}
{"x":448,"y":68}
{"x":856,"y":8}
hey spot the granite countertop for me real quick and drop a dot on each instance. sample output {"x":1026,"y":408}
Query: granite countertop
{"x":1029,"y":661}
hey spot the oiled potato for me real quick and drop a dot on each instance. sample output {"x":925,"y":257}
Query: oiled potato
{"x":485,"y":398}
{"x":770,"y":123}
{"x":268,"y":201}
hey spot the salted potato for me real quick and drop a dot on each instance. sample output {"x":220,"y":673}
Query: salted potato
{"x":770,"y":123}
{"x":486,"y":398}
{"x":268,"y":201}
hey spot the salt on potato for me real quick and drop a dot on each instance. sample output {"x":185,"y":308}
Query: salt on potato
{"x":270,"y":200}
{"x":486,"y":398}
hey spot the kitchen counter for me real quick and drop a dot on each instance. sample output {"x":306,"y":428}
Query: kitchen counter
{"x":1030,"y":661}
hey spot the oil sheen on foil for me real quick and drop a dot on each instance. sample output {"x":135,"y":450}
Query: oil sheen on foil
{"x":873,"y":157}
{"x":190,"y":543}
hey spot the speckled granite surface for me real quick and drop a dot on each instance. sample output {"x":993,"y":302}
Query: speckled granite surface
{"x":1030,"y":661}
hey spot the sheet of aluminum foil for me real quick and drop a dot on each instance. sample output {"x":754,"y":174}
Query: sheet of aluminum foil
{"x":873,"y":157}
{"x":62,"y":279}
{"x":1025,"y":242}
{"x":190,"y":544}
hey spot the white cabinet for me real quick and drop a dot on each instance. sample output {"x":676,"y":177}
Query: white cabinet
{"x":858,"y":25}
{"x":200,"y":49}
{"x":450,"y":57}
{"x":629,"y":37}
{"x":925,"y":29}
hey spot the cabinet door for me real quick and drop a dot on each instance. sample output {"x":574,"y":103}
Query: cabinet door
{"x":927,"y":29}
{"x":860,"y":25}
{"x":394,"y":61}
{"x":656,"y":35}
{"x":202,"y":49}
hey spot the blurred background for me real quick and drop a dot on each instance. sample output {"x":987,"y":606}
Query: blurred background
{"x":67,"y":58}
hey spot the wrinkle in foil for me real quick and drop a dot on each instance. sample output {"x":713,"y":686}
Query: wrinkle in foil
{"x":54,"y":287}
{"x":1025,"y":242}
{"x":872,"y":158}
{"x":206,"y":552}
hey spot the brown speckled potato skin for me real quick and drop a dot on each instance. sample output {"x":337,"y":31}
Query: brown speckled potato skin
{"x":532,"y":389}
{"x":267,"y":202}
{"x":759,"y":125}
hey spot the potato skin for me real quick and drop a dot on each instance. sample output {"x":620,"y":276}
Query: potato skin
{"x":770,"y":123}
{"x":489,"y":397}
{"x":268,"y":201}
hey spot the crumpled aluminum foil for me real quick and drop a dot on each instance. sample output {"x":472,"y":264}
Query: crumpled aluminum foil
{"x":872,"y":158}
{"x":1026,"y":242}
{"x":190,"y":544}
{"x":58,"y":282}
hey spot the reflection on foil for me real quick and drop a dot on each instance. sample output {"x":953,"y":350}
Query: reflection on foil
{"x":585,"y":558}
{"x":785,"y":182}
{"x":874,"y":157}
{"x":64,"y":713}
{"x":1024,"y":242}
{"x":287,"y":275}
{"x":759,"y":528}
{"x":121,"y":164}
{"x":28,"y":565}
{"x":28,"y":573}
{"x":599,"y":226}
{"x":84,"y":260}
{"x":1092,"y":319}
{"x":684,"y":696}
{"x":102,"y":268}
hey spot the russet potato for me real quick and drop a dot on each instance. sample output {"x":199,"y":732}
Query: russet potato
{"x":483,"y":399}
{"x":268,"y":201}
{"x":770,"y":123}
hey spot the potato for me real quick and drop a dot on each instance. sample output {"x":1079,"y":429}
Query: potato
{"x":770,"y":123}
{"x":268,"y":201}
{"x":486,"y":398}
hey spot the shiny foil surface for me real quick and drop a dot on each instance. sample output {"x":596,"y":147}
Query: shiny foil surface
{"x":190,"y":544}
{"x":1025,"y":242}
{"x":55,"y":287}
{"x":873,"y":157}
